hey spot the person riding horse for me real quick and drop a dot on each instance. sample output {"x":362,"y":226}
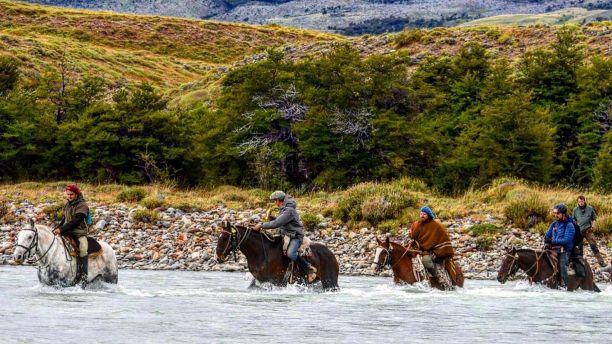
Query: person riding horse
{"x":289,"y":224}
{"x":432,"y":239}
{"x":560,"y":238}
{"x":74,"y":224}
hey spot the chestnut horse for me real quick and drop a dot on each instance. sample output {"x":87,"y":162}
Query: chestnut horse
{"x":400,"y":259}
{"x":539,"y":269}
{"x":266,"y":261}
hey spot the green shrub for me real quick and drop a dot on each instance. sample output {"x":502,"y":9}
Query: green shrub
{"x":539,"y":228}
{"x":145,"y":215}
{"x":110,"y":188}
{"x":373,"y":202}
{"x":310,"y":220}
{"x":390,"y":226}
{"x":409,"y":36}
{"x":485,"y":228}
{"x":132,"y":195}
{"x":4,"y":210}
{"x":504,"y":39}
{"x":152,"y":203}
{"x":485,"y":242}
{"x":526,"y":212}
{"x":187,"y":207}
{"x":54,"y":211}
{"x":604,"y":225}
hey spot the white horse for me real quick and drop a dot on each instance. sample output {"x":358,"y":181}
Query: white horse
{"x":55,"y":265}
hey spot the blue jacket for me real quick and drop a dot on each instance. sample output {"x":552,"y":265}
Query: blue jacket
{"x":562,"y":234}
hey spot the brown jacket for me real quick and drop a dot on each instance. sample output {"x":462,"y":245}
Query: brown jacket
{"x":432,"y":237}
{"x":78,"y":206}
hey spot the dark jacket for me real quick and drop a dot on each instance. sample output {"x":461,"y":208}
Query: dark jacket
{"x":288,"y":221}
{"x":75,"y":217}
{"x":562,"y":233}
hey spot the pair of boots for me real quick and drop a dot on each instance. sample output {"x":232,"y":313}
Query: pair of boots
{"x":82,"y":271}
{"x":311,"y":271}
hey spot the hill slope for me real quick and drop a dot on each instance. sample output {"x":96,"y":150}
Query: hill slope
{"x":343,"y":16}
{"x":162,"y":50}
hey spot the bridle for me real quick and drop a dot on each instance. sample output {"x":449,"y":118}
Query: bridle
{"x":387,"y":261}
{"x":235,"y":241}
{"x":33,"y":248}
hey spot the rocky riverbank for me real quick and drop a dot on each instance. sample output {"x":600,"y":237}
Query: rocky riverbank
{"x":187,"y":241}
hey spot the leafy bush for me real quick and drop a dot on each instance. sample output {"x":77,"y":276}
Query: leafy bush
{"x":152,"y":203}
{"x":4,"y":209}
{"x":54,"y":211}
{"x":373,"y":202}
{"x":485,"y":228}
{"x":132,"y":195}
{"x":485,"y":242}
{"x":604,"y":224}
{"x":187,"y":207}
{"x":527,"y":212}
{"x":539,"y":228}
{"x":310,"y":220}
{"x":390,"y":226}
{"x":145,"y":215}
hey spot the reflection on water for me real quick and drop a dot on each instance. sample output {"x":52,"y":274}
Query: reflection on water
{"x":197,"y":307}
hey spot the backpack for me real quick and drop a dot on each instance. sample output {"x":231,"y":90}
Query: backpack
{"x":89,"y":220}
{"x":578,"y":239}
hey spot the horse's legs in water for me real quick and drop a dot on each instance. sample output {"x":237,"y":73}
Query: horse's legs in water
{"x":253,"y":284}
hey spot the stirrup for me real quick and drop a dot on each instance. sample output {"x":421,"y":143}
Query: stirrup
{"x":312,"y":274}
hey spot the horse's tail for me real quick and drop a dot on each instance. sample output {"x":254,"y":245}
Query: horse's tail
{"x":596,"y":288}
{"x":329,"y":269}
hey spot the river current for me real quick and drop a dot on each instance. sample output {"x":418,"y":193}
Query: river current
{"x":216,"y":307}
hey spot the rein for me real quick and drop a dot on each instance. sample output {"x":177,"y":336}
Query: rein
{"x":514,"y":266}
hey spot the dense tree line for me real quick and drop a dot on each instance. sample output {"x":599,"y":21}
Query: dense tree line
{"x":455,"y":122}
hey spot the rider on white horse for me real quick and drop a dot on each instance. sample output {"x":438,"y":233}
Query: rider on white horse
{"x":74,"y":224}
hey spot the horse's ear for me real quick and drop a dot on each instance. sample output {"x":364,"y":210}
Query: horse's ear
{"x":387,"y":240}
{"x":32,"y":224}
{"x":378,"y":241}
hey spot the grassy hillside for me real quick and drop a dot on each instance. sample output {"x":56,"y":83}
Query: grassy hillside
{"x":186,"y":58}
{"x":564,"y":16}
{"x":162,"y":50}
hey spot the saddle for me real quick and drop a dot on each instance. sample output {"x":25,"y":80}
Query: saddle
{"x":304,"y":249}
{"x":575,"y":267}
{"x":93,"y":246}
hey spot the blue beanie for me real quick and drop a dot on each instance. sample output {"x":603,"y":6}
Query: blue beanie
{"x":429,"y":212}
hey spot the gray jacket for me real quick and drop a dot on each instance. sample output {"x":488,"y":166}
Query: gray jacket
{"x":584,"y":217}
{"x":288,"y":221}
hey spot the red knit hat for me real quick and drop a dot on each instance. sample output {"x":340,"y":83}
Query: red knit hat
{"x":73,"y":188}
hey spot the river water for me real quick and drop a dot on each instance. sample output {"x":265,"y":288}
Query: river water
{"x":216,"y":307}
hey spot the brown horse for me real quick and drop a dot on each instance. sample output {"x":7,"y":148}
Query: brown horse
{"x":539,"y":268}
{"x":400,"y":258}
{"x":266,"y":261}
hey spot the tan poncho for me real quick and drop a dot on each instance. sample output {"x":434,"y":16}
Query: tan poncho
{"x":431,"y":236}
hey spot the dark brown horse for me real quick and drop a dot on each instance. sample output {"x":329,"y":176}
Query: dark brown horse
{"x":540,"y":269}
{"x":399,"y":259}
{"x":266,"y":261}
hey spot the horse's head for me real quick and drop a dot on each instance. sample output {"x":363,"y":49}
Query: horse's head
{"x":227,"y":240}
{"x":509,"y":265}
{"x":382,"y":257}
{"x":27,"y":241}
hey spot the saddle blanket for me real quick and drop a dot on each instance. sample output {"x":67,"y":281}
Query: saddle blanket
{"x":93,"y":247}
{"x":304,"y":249}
